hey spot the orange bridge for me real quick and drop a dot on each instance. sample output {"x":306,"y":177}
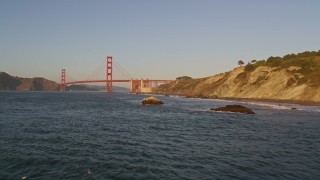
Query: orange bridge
{"x":136,"y":86}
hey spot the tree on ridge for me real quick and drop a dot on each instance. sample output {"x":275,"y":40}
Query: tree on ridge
{"x":240,"y":63}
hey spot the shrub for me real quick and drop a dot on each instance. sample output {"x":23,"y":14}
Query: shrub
{"x":253,"y":61}
{"x":249,"y":67}
{"x":183,"y":78}
{"x":274,"y":61}
{"x":240,"y":63}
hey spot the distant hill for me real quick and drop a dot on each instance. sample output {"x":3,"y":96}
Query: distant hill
{"x":293,"y":77}
{"x":14,"y":83}
{"x":10,"y":83}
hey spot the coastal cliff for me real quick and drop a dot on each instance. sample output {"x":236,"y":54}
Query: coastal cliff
{"x":9,"y":83}
{"x":294,"y":77}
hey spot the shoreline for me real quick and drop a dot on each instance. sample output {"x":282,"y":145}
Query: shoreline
{"x":297,"y":102}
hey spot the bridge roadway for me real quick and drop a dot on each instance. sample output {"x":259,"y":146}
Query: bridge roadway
{"x":95,"y":81}
{"x":115,"y":81}
{"x":136,"y":86}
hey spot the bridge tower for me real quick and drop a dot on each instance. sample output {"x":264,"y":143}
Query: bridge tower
{"x":109,"y":74}
{"x":63,"y":80}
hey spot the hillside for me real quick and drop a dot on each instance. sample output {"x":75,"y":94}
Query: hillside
{"x":294,"y":77}
{"x":8,"y":82}
{"x":14,"y":83}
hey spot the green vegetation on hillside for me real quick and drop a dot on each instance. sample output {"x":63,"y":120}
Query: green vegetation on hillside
{"x":183,"y":78}
{"x":308,"y":61}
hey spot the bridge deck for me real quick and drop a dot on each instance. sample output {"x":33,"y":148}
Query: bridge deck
{"x":114,"y":81}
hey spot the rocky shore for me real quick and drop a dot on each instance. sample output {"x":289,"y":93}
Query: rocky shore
{"x":303,"y":94}
{"x":279,"y":101}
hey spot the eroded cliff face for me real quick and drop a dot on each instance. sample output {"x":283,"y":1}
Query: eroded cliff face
{"x":262,"y":83}
{"x":37,"y":84}
{"x":8,"y":82}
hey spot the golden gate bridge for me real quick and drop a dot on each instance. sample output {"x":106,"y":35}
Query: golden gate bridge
{"x":136,"y":86}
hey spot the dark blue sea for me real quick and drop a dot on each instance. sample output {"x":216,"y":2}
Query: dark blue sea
{"x":94,"y":135}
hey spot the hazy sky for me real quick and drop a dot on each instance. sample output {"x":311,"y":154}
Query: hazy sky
{"x":157,"y":39}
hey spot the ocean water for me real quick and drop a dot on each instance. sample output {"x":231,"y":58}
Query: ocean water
{"x":94,"y":135}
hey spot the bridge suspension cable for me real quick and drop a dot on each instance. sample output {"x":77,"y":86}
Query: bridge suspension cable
{"x":123,"y":70}
{"x":135,"y":85}
{"x":98,"y":70}
{"x":69,"y":77}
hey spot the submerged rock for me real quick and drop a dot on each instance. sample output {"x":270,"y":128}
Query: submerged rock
{"x":151,"y":101}
{"x":234,"y":108}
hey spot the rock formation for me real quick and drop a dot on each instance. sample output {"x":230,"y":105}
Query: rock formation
{"x":151,"y":101}
{"x":234,"y":108}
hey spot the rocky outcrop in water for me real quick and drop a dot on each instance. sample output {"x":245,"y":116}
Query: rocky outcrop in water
{"x":234,"y":108}
{"x":151,"y":101}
